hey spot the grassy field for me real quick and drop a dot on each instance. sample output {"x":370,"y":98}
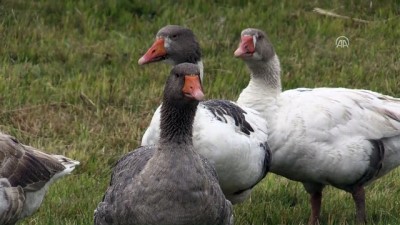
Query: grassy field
{"x":70,"y":84}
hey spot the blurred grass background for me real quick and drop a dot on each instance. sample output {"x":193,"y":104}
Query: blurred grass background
{"x":70,"y":84}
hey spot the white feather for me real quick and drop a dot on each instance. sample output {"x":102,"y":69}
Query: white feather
{"x":323,"y":135}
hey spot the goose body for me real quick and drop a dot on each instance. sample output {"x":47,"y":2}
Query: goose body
{"x":25,"y":176}
{"x":167,"y":183}
{"x":342,"y":137}
{"x":240,"y":152}
{"x":338,"y":138}
{"x":232,"y":137}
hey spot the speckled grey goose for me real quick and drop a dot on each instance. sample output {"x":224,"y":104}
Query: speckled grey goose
{"x":346,"y":138}
{"x":25,"y":175}
{"x":168,"y":183}
{"x":232,"y":137}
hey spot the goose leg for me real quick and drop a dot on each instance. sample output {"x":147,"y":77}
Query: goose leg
{"x":315,"y":200}
{"x":359,"y":200}
{"x":315,"y":191}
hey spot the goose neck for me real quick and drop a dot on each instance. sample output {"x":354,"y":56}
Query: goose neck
{"x":177,"y":123}
{"x":266,"y":74}
{"x":264,"y":86}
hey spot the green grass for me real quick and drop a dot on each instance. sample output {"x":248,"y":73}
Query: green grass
{"x":53,"y":51}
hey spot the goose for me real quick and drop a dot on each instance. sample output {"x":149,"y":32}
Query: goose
{"x":25,"y":176}
{"x":346,"y":138}
{"x":233,"y":138}
{"x":168,"y":183}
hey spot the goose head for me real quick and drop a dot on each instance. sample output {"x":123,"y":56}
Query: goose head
{"x":254,"y":46}
{"x":257,"y":52}
{"x":183,"y":84}
{"x":174,"y":44}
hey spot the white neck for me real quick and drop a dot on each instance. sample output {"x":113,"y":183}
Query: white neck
{"x":264,"y":87}
{"x":201,"y":68}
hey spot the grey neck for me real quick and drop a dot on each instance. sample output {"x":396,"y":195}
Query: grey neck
{"x":177,"y":123}
{"x":267,"y":74}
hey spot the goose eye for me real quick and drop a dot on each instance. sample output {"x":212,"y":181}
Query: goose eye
{"x":177,"y":75}
{"x":174,"y":36}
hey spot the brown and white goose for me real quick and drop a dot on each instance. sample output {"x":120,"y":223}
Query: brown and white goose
{"x":233,"y":138}
{"x":169,"y":183}
{"x":346,"y":138}
{"x":25,"y":175}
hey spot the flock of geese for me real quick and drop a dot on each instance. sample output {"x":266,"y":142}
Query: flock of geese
{"x":198,"y":157}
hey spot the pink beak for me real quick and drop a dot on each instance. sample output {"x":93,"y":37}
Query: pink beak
{"x":246,"y":47}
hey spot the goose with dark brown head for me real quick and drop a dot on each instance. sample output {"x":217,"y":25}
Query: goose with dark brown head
{"x":25,"y":175}
{"x":168,"y":183}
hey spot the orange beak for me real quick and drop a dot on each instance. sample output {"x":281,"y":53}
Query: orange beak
{"x":192,"y":87}
{"x":246,"y":47}
{"x":155,"y":53}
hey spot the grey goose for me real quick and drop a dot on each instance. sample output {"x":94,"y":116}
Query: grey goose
{"x":25,"y":176}
{"x":167,"y":183}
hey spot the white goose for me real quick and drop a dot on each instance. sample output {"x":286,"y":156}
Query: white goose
{"x":25,"y":175}
{"x":231,"y":137}
{"x":324,"y":136}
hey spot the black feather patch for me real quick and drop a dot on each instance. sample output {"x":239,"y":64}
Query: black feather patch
{"x":267,"y":159}
{"x":375,"y":162}
{"x":222,"y":108}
